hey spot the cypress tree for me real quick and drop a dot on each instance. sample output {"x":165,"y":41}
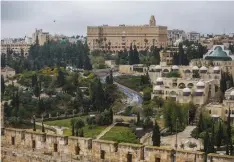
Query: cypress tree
{"x":43,"y":128}
{"x":81,"y":133}
{"x":130,"y":56}
{"x":212,"y":140}
{"x":136,"y":59}
{"x":138,"y":118}
{"x":111,"y":77}
{"x":229,"y":135}
{"x":87,"y":64}
{"x":206,"y":143}
{"x":200,"y":125}
{"x":2,"y":85}
{"x":111,"y":115}
{"x":156,"y":135}
{"x":34,"y":124}
{"x":219,"y":135}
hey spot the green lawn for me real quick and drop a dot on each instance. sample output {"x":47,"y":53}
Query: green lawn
{"x":63,"y":122}
{"x":121,"y":134}
{"x":87,"y":131}
{"x":132,"y":82}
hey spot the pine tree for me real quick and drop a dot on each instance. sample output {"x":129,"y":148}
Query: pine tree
{"x":156,"y":135}
{"x":2,"y":85}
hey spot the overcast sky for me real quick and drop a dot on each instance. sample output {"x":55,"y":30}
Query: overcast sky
{"x":21,"y":18}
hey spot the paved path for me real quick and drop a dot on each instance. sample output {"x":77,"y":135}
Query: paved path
{"x":182,"y":138}
{"x":105,"y":131}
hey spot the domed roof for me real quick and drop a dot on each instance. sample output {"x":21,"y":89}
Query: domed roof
{"x":218,"y":54}
{"x":186,"y":90}
{"x":216,"y":68}
{"x":195,"y":68}
{"x":200,"y":84}
{"x":158,"y":67}
{"x":232,"y":93}
{"x":203,"y":68}
{"x":174,"y":67}
{"x":159,"y":79}
{"x":157,"y":88}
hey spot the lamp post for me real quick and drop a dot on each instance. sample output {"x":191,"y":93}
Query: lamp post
{"x":92,"y":116}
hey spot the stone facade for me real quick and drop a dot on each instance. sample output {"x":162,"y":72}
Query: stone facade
{"x":23,"y":146}
{"x":7,"y":72}
{"x":116,"y":38}
{"x":42,"y":37}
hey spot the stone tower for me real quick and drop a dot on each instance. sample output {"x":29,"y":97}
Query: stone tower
{"x":152,"y":21}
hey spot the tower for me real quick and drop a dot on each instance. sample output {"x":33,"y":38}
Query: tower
{"x":152,"y":21}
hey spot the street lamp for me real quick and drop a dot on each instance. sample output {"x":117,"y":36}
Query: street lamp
{"x":92,"y":116}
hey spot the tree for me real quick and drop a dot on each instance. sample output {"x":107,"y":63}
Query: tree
{"x":43,"y":128}
{"x":156,"y":135}
{"x":136,"y":59}
{"x":206,"y":142}
{"x":2,"y":85}
{"x":3,"y":60}
{"x":131,"y":55}
{"x":73,"y":122}
{"x":229,"y":147}
{"x":111,"y":115}
{"x":111,"y":77}
{"x":87,"y":64}
{"x":219,"y":135}
{"x":200,"y":124}
{"x":78,"y":125}
{"x":147,"y":94}
{"x":34,"y":124}
{"x":138,"y":118}
{"x":60,"y":78}
{"x":37,"y":90}
{"x":81,"y":133}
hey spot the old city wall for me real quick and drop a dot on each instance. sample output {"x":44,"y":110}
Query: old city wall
{"x":23,"y":146}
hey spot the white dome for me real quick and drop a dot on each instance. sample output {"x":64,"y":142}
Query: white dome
{"x":232,"y":93}
{"x":175,"y":67}
{"x":200,"y":84}
{"x":159,"y":79}
{"x":157,"y":88}
{"x":186,"y":90}
{"x":216,"y":68}
{"x":158,"y":67}
{"x":203,"y":68}
{"x":195,"y":68}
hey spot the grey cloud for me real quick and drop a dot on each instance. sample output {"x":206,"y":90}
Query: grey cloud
{"x":74,"y":17}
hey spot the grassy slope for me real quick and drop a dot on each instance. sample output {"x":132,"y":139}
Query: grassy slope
{"x":121,"y":134}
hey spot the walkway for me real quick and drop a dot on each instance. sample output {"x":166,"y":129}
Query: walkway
{"x":105,"y":131}
{"x":182,"y":138}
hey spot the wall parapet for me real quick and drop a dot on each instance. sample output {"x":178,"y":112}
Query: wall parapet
{"x":78,"y":148}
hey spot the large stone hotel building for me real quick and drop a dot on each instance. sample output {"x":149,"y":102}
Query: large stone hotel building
{"x":116,"y":38}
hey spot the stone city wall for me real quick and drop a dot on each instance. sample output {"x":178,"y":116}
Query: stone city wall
{"x":23,"y":146}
